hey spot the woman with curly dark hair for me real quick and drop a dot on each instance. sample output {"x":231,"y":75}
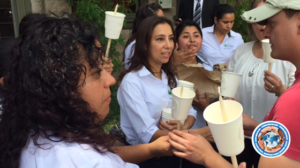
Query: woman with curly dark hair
{"x":54,"y":96}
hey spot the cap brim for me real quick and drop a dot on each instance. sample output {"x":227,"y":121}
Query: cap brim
{"x":260,"y":14}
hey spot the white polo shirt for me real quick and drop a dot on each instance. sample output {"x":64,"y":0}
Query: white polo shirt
{"x":142,"y":97}
{"x":212,"y":52}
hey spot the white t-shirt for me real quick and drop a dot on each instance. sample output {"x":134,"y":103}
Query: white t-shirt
{"x":256,"y":101}
{"x":68,"y":155}
{"x":129,"y":51}
{"x":212,"y":52}
{"x":142,"y":97}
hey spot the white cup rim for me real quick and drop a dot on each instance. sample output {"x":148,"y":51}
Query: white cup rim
{"x":186,"y":82}
{"x":194,"y":94}
{"x":226,"y":72}
{"x":112,"y":13}
{"x":232,"y":120}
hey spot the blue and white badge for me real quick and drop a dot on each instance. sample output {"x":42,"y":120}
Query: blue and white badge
{"x":271,"y":139}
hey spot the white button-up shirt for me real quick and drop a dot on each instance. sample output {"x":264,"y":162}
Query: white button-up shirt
{"x":212,"y":52}
{"x":142,"y":97}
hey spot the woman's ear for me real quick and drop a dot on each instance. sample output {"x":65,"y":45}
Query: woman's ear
{"x":215,"y":20}
{"x":298,"y":23}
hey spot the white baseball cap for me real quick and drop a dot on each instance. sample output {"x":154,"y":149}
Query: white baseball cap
{"x":268,"y":10}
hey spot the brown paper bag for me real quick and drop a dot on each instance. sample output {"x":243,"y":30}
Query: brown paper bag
{"x":204,"y":81}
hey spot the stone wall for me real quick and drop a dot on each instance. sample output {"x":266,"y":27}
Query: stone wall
{"x":45,"y":6}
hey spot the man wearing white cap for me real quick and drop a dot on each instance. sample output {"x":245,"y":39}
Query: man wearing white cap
{"x":282,"y":18}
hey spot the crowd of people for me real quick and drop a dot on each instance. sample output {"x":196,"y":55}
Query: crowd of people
{"x":55,"y":88}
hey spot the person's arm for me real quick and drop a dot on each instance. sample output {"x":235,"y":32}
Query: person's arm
{"x":188,"y":123}
{"x":139,"y":153}
{"x":278,"y":162}
{"x":200,"y":102}
{"x":249,"y":124}
{"x":135,"y":110}
{"x":196,"y":149}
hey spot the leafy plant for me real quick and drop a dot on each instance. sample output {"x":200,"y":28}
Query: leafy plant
{"x":93,"y":12}
{"x":239,"y":24}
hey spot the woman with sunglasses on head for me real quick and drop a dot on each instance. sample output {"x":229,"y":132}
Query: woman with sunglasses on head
{"x":144,"y":11}
{"x":256,"y":92}
{"x":219,"y":41}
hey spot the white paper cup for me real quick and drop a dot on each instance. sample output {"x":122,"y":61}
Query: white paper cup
{"x":185,"y":84}
{"x":113,"y":24}
{"x":267,"y":51}
{"x":230,"y":83}
{"x":166,"y":115}
{"x":228,"y":136}
{"x":181,"y":105}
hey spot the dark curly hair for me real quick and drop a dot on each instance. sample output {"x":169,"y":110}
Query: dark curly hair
{"x":40,"y":95}
{"x":143,"y":40}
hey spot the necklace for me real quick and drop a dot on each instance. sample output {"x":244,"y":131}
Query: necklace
{"x":251,"y":73}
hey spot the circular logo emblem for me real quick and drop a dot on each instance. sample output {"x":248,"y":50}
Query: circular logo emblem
{"x":271,"y":139}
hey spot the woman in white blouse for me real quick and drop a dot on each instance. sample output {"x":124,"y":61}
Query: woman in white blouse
{"x":55,"y":95}
{"x":219,"y":41}
{"x":146,"y":86}
{"x":256,"y":93}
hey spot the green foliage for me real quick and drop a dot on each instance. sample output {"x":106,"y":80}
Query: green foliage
{"x":240,"y":25}
{"x":93,"y":12}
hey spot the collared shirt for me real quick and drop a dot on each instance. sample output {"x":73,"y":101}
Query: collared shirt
{"x":212,"y":52}
{"x":64,"y":154}
{"x":142,"y":97}
{"x":195,"y":4}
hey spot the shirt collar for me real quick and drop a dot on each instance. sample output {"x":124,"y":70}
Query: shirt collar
{"x":211,"y":30}
{"x":145,"y":72}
